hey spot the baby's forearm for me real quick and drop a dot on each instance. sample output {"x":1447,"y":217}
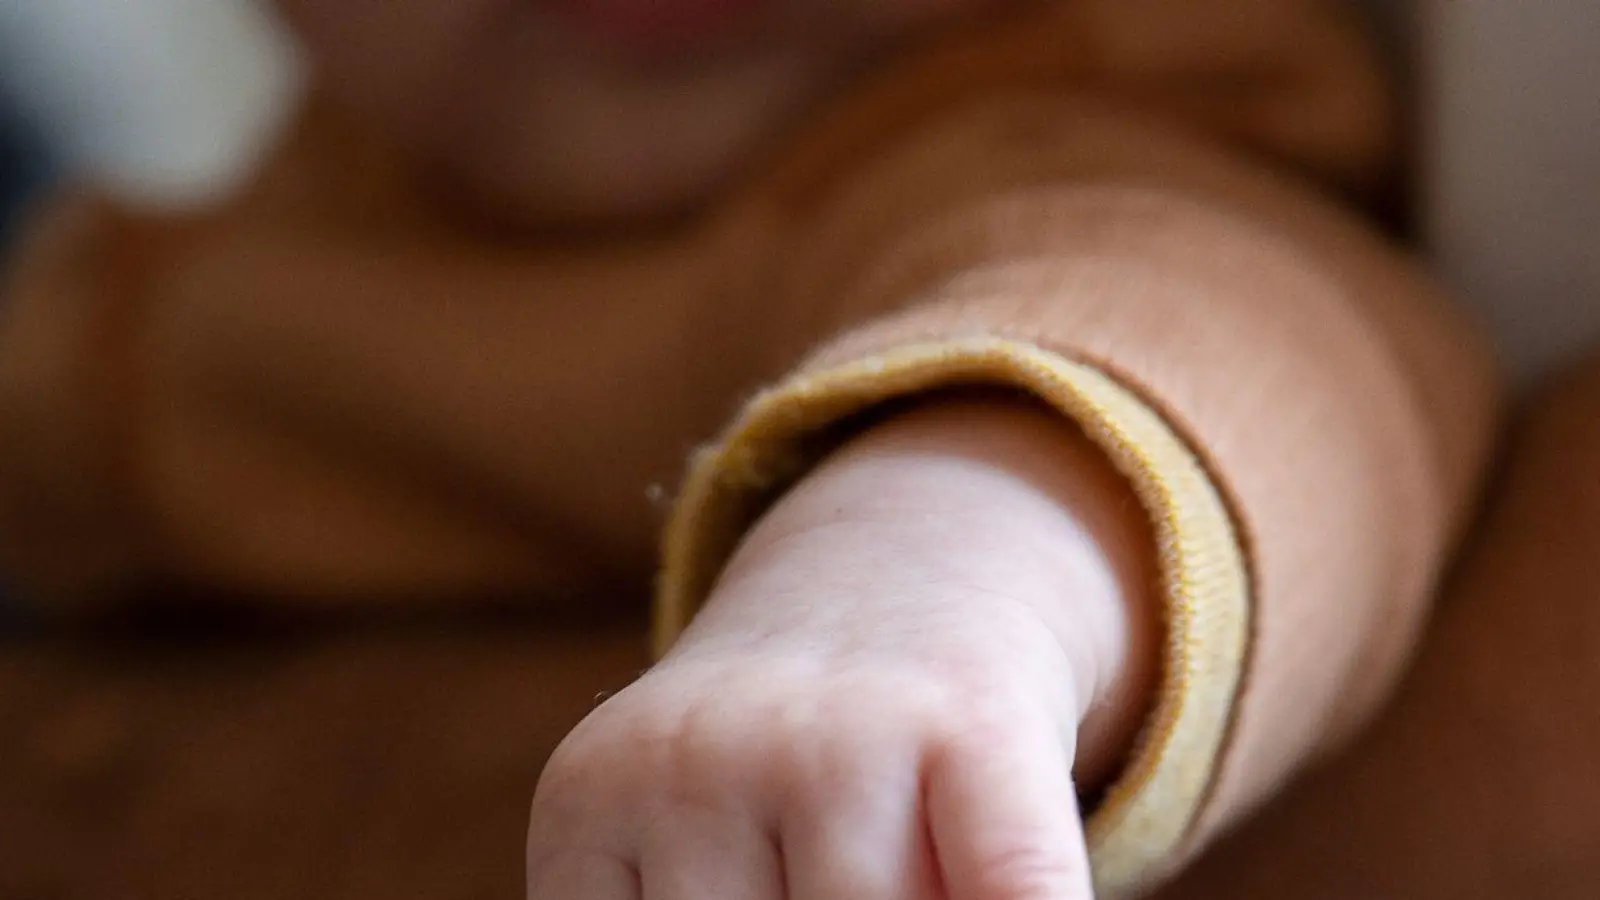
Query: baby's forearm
{"x":990,"y":512}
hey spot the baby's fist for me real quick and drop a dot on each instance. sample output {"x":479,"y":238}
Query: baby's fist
{"x":812,"y":779}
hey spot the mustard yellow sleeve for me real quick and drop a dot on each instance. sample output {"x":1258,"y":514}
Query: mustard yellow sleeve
{"x":1203,"y":573}
{"x":1301,"y":413}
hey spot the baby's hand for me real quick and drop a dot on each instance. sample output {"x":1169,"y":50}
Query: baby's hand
{"x":873,"y":705}
{"x":818,"y":774}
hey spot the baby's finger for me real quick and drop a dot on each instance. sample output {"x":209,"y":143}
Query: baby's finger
{"x":580,"y":876}
{"x":1004,"y":817}
{"x":698,"y":853}
{"x":867,"y":842}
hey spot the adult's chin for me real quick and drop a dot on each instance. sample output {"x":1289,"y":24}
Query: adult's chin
{"x":574,"y":190}
{"x":596,"y":148}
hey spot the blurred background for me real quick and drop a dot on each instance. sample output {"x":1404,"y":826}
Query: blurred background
{"x":165,"y":753}
{"x":25,"y":163}
{"x":165,"y":102}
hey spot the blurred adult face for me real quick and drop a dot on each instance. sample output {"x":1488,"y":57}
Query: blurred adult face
{"x":593,"y":108}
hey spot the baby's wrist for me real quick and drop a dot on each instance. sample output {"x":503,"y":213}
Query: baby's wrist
{"x":975,"y":529}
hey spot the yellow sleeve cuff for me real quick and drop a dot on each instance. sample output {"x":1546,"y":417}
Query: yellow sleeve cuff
{"x":1137,"y":835}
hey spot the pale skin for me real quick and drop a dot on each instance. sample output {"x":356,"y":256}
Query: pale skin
{"x":925,"y":651}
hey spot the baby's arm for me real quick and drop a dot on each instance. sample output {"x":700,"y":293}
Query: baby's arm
{"x":1297,"y":415}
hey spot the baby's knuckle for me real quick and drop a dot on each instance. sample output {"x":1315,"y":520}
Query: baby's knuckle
{"x":567,"y":775}
{"x":599,"y":755}
{"x":1030,"y":871}
{"x":858,"y":877}
{"x":716,"y":738}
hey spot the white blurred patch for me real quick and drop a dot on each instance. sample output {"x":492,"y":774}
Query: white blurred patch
{"x":1513,"y":168}
{"x":169,"y":103}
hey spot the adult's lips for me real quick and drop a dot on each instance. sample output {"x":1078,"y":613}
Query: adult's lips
{"x":656,"y":26}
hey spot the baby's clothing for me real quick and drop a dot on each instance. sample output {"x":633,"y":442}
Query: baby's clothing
{"x":1145,"y":213}
{"x":1478,"y":782}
